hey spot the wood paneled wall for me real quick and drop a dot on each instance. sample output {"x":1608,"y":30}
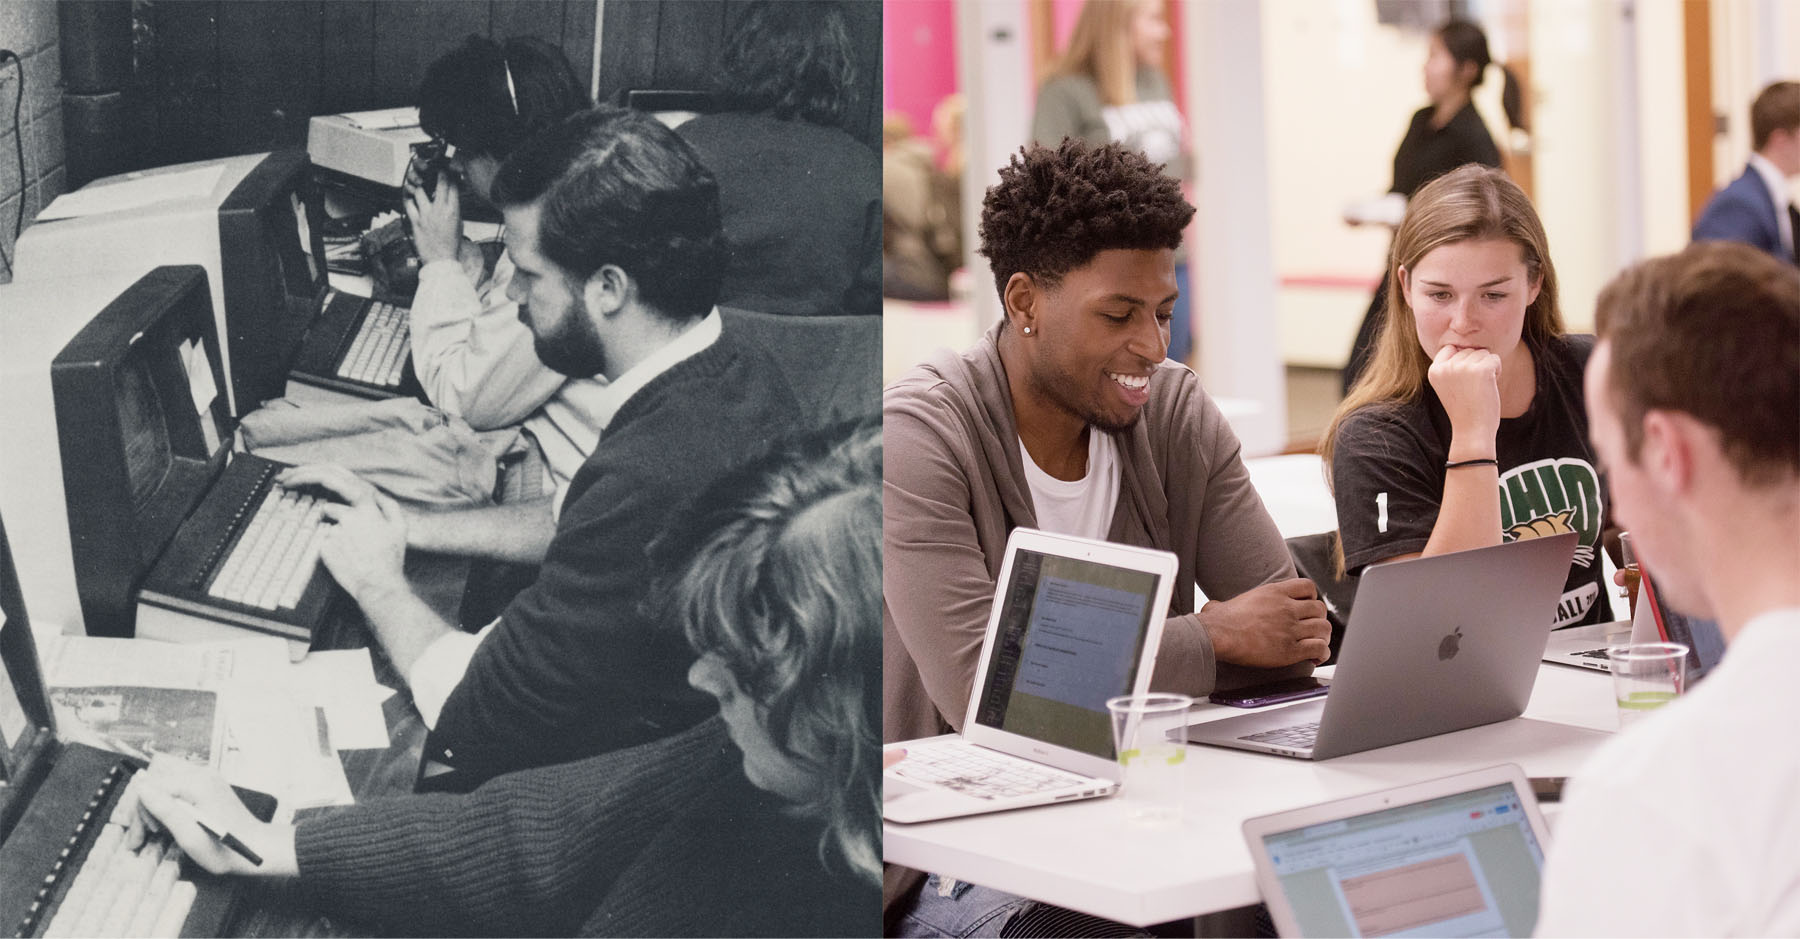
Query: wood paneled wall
{"x":675,"y":45}
{"x":221,"y":77}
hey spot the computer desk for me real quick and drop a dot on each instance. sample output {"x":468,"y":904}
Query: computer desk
{"x":1085,"y":856}
{"x":279,"y":909}
{"x":267,"y":909}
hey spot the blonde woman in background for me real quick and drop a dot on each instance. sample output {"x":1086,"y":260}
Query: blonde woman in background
{"x":1109,"y":86}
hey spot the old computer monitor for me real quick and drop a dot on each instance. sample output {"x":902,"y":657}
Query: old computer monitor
{"x":25,"y":717}
{"x":39,"y":320}
{"x":127,"y":473}
{"x":253,"y":222}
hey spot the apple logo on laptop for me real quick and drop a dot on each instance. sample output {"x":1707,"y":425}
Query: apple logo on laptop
{"x":1447,"y":648}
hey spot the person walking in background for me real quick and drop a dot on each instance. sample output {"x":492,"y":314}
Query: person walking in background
{"x":1109,"y":86}
{"x":1757,"y":208}
{"x":1443,"y":135}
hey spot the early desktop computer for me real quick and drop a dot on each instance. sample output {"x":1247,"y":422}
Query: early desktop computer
{"x":118,"y":464}
{"x":252,"y":222}
{"x":255,"y":224}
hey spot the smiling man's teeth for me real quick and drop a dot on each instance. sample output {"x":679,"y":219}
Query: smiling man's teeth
{"x":1130,"y":381}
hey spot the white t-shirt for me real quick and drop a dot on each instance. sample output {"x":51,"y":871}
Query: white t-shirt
{"x":1082,"y":507}
{"x":1689,"y":824}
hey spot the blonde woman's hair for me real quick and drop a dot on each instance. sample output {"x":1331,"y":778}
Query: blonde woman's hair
{"x":1101,"y":49}
{"x":1467,"y":204}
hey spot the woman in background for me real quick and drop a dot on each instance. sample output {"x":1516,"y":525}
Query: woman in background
{"x":1469,"y":427}
{"x":473,"y":356}
{"x":1443,"y":135}
{"x":762,"y":821}
{"x":800,"y":199}
{"x":1109,"y":86}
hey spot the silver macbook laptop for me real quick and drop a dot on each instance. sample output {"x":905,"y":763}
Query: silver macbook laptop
{"x":1074,"y":622}
{"x":1458,"y":856}
{"x":1433,"y":645}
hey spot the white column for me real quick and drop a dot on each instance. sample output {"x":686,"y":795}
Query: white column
{"x":1232,"y":269}
{"x":1576,"y":144}
{"x":993,"y":60}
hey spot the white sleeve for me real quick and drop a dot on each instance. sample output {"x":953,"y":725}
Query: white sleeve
{"x":439,"y":669}
{"x":1622,"y":864}
{"x":472,"y":355}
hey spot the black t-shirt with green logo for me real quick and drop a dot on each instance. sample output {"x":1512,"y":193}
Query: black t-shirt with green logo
{"x":1388,"y":477}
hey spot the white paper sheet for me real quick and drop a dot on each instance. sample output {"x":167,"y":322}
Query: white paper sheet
{"x":135,"y":192}
{"x":384,"y":119}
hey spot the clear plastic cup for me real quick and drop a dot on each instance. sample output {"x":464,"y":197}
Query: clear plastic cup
{"x":1150,"y":734}
{"x":1646,"y":676}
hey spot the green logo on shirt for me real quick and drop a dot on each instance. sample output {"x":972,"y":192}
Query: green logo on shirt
{"x":1550,"y":497}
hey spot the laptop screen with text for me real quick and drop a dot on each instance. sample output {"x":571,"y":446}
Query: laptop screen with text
{"x":1071,"y":635}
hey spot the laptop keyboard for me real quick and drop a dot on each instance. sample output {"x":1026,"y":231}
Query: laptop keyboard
{"x":378,"y":354}
{"x":1299,"y":736}
{"x":981,"y":773}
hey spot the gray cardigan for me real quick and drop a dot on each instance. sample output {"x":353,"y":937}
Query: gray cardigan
{"x":954,"y":487}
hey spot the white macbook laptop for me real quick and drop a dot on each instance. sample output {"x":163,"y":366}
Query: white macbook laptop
{"x":1433,"y":645}
{"x":1074,"y":622}
{"x":1459,"y":856}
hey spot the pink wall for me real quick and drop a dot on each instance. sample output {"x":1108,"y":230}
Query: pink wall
{"x":1063,"y":14}
{"x":918,"y":54}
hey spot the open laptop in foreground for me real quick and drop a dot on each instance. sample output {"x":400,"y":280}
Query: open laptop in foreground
{"x":1433,"y":645}
{"x":1074,"y":622}
{"x":1458,"y":856}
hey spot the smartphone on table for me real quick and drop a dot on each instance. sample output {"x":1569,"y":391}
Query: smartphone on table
{"x":1272,"y":692}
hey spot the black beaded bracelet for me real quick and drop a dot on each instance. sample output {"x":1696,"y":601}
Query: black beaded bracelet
{"x":1490,"y":461}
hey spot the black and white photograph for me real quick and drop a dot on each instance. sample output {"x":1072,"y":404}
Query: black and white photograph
{"x":495,"y":384}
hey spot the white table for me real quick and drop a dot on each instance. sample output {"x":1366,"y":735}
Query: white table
{"x":1085,"y":857}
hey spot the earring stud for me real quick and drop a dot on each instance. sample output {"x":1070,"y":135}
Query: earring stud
{"x":1027,"y":330}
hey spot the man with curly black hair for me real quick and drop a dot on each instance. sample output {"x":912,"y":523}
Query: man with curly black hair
{"x":1067,"y":417}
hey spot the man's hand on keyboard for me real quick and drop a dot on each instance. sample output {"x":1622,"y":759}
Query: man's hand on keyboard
{"x":365,"y":548}
{"x":172,"y":796}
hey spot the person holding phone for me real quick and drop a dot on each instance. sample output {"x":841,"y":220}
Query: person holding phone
{"x":473,"y":355}
{"x":1468,"y":428}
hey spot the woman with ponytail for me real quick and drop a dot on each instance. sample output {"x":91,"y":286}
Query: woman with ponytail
{"x":1443,"y":135}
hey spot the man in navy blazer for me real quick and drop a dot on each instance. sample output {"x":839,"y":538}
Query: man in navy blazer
{"x":1757,"y":207}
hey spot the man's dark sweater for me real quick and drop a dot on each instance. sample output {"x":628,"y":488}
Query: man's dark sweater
{"x":665,"y":839}
{"x":575,"y":668}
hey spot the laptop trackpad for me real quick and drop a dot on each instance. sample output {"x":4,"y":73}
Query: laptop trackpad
{"x":894,"y":787}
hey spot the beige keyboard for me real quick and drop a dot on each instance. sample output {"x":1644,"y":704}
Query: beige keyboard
{"x":274,"y":559}
{"x":119,"y":892}
{"x":378,"y":354}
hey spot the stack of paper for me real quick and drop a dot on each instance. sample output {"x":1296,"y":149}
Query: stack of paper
{"x":239,"y":706}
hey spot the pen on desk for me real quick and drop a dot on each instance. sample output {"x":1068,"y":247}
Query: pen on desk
{"x":226,"y":838}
